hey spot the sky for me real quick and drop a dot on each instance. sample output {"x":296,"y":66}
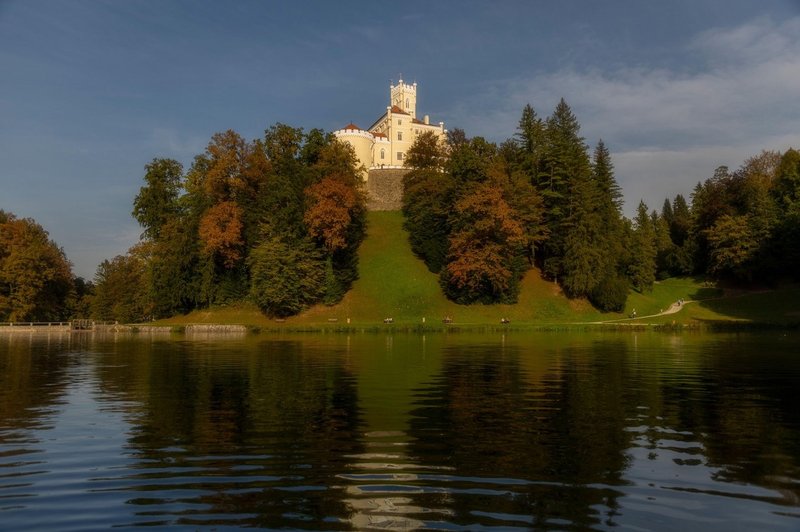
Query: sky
{"x":91,"y":91}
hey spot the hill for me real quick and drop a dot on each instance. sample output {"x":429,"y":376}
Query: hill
{"x":394,"y":283}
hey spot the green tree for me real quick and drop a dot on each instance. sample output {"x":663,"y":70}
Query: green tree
{"x":286,"y":278}
{"x":531,"y":140}
{"x":680,"y":222}
{"x":157,"y":201}
{"x":585,"y":259}
{"x":732,"y":246}
{"x":428,"y":195}
{"x":787,"y":196}
{"x":592,"y":229}
{"x":174,"y":269}
{"x":121,"y":291}
{"x":643,"y":253}
{"x":565,"y":160}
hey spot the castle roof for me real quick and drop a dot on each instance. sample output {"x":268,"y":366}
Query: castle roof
{"x":352,"y":126}
{"x":396,"y":109}
{"x":380,"y":135}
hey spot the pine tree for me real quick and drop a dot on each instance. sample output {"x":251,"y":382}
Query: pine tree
{"x":643,"y":260}
{"x":565,"y":160}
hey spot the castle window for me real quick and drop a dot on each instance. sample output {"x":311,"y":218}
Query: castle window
{"x":408,"y":103}
{"x":399,"y":135}
{"x":399,"y":122}
{"x":383,"y":154}
{"x":399,"y":156}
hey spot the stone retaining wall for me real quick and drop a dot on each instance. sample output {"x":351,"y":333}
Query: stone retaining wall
{"x":385,"y":189}
{"x":211,"y":328}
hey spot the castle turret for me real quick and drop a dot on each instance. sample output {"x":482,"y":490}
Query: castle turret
{"x":362,"y":142}
{"x":404,"y":96}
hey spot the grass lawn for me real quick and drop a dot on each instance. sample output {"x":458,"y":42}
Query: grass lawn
{"x":394,"y":283}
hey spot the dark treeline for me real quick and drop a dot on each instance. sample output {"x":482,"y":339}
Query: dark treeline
{"x":742,"y":226}
{"x":276,"y":220}
{"x":480,"y":215}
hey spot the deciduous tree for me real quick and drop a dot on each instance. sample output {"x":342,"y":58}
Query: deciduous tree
{"x":35,"y":275}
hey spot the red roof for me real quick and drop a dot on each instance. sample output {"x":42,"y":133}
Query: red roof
{"x":381,"y":135}
{"x":396,"y":109}
{"x":352,"y":126}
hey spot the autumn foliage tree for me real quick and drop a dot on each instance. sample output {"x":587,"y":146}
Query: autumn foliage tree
{"x":487,"y":238}
{"x":220,"y":232}
{"x":35,"y":275}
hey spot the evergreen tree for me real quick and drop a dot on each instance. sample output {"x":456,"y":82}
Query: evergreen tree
{"x":586,"y":259}
{"x":565,"y":160}
{"x":530,"y":138}
{"x":680,"y":221}
{"x":665,"y":249}
{"x":643,"y":251}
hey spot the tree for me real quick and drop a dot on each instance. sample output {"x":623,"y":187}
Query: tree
{"x":35,"y":275}
{"x":665,"y":249}
{"x":732,"y":246}
{"x":157,"y":201}
{"x":643,"y":261}
{"x":427,"y":153}
{"x":121,"y":290}
{"x":585,"y":259}
{"x":335,"y":215}
{"x":787,"y":196}
{"x":530,"y":138}
{"x":428,"y":195}
{"x":680,"y":222}
{"x":565,"y":160}
{"x":174,"y":268}
{"x":529,"y":207}
{"x":286,"y":278}
{"x":592,"y":229}
{"x":329,"y":213}
{"x":486,"y":239}
{"x":221,"y":233}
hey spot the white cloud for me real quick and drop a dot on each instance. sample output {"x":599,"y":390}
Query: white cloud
{"x":669,"y":128}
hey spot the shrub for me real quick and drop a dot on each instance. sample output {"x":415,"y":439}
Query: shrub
{"x":610,"y":294}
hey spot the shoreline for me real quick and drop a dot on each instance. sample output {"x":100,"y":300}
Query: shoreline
{"x":221,"y":330}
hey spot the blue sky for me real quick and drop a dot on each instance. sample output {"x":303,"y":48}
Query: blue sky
{"x":92,"y":91}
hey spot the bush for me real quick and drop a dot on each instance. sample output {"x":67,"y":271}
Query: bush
{"x":610,"y":294}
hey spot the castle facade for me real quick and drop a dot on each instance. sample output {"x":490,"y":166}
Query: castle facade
{"x":385,"y":143}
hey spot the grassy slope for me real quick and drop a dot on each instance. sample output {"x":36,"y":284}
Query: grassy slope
{"x":394,"y":283}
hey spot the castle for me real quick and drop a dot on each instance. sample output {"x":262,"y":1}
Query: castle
{"x":385,"y":143}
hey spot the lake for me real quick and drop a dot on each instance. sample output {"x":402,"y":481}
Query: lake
{"x":561,"y":431}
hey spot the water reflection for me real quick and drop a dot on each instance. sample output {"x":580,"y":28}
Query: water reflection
{"x":549,"y":431}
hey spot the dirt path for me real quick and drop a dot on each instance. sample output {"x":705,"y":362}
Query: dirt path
{"x":673,"y":309}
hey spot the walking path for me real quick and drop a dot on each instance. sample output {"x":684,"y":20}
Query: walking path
{"x":673,"y":309}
